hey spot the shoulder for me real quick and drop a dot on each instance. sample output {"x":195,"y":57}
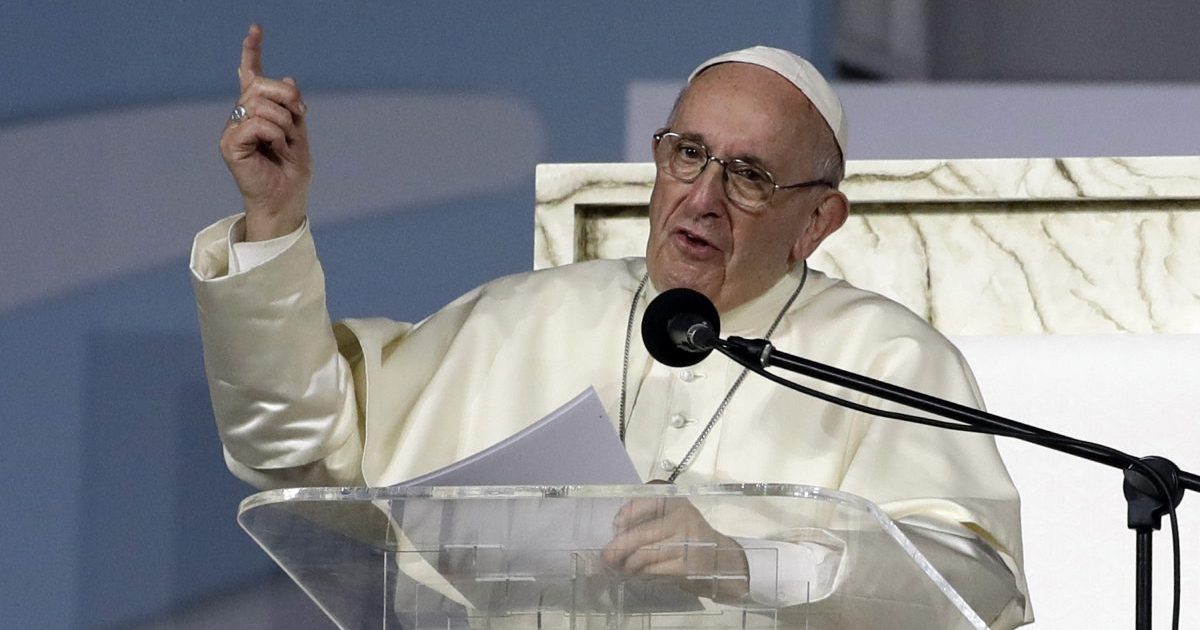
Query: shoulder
{"x":546,"y":291}
{"x":843,"y":305}
{"x":590,"y":277}
{"x":878,"y":333}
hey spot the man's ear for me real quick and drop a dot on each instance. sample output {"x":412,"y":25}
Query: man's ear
{"x":827,"y":217}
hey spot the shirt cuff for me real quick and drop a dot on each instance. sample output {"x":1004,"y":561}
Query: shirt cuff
{"x":788,"y":574}
{"x":244,"y":256}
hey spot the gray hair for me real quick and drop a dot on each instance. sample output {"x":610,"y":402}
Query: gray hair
{"x":831,"y":164}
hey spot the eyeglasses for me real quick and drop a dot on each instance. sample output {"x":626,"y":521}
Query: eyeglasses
{"x":750,"y":187}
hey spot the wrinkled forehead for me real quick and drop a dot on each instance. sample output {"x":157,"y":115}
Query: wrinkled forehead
{"x":750,"y":86}
{"x":743,"y":110}
{"x":798,"y":72}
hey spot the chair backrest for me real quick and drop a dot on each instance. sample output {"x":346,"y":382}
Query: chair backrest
{"x":1062,"y":246}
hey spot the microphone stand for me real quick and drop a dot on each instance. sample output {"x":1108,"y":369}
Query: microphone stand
{"x":1153,"y":485}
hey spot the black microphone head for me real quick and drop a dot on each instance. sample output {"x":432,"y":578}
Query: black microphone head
{"x":677,"y":309}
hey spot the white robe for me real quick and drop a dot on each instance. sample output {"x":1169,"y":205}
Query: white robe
{"x":299,"y":402}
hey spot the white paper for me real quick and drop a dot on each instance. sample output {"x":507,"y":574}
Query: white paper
{"x":530,"y":548}
{"x":574,"y":445}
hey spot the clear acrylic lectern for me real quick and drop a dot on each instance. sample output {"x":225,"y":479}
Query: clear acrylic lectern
{"x":530,"y":557}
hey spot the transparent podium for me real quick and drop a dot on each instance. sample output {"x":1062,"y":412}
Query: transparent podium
{"x":533,"y":557}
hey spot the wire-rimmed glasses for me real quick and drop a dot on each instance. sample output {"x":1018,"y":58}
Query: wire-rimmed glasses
{"x":747,"y":185}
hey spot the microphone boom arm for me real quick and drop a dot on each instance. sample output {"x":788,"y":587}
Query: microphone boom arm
{"x":1153,"y":485}
{"x":764,"y":354}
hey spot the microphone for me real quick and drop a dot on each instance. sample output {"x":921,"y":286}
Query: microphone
{"x":681,"y":327}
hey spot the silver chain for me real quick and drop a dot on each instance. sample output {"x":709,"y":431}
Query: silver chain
{"x":625,"y":365}
{"x":691,"y":454}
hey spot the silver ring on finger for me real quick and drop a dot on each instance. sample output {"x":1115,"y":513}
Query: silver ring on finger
{"x":238,"y":114}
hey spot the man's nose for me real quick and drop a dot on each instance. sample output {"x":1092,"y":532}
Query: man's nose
{"x":708,"y":190}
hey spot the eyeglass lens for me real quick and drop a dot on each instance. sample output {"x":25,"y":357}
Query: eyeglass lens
{"x":685,"y":159}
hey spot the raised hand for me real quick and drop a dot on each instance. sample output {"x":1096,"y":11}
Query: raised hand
{"x":265,"y":147}
{"x":669,"y":537}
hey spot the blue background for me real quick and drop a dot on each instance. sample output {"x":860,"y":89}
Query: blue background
{"x":118,"y":508}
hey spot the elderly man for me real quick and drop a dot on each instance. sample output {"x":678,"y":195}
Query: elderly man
{"x":746,"y":189}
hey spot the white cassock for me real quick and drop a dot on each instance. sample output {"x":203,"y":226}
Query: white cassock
{"x":299,"y":401}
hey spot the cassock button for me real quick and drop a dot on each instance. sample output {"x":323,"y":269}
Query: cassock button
{"x":679,"y":421}
{"x":667,"y":465}
{"x":687,"y":376}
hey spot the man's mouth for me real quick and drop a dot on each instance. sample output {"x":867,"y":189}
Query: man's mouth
{"x":694,"y":244}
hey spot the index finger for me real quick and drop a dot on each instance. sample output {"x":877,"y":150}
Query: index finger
{"x":251,"y":65}
{"x":638,"y":511}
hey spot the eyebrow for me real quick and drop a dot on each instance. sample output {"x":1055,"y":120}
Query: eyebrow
{"x":748,"y":158}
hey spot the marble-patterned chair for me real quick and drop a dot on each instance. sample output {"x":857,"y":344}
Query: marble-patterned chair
{"x":1071,"y":285}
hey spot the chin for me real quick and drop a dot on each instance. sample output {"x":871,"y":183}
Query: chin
{"x":675,"y":275}
{"x":693,"y":283}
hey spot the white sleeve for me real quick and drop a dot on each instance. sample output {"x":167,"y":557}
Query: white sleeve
{"x":789,"y":573}
{"x":244,"y":256}
{"x":283,"y":396}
